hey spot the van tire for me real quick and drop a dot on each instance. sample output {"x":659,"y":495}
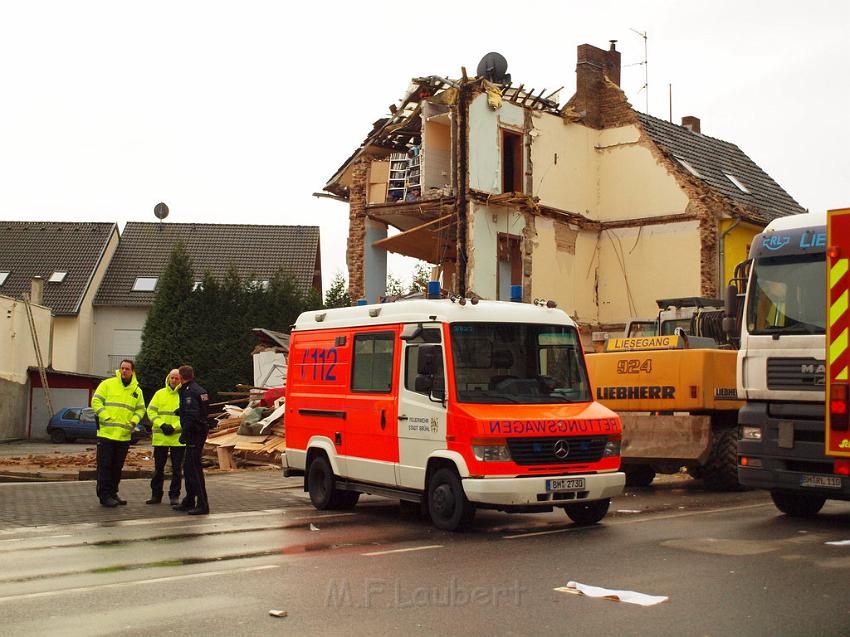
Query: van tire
{"x":346,"y":499}
{"x":588,"y":513}
{"x":321,"y":484}
{"x":798,"y":505}
{"x":447,"y":504}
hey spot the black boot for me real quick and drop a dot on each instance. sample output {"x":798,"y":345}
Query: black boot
{"x":154,"y":499}
{"x":109,"y":501}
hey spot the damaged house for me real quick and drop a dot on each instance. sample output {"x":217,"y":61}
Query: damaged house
{"x":592,"y":204}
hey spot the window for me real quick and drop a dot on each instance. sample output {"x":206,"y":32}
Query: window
{"x":259,"y":284}
{"x":145,"y":283}
{"x":512,"y":165}
{"x":411,"y":359}
{"x":72,"y":414}
{"x":509,"y":265}
{"x":688,"y":167}
{"x":786,"y":295}
{"x":372,"y":370}
{"x":735,"y":181}
{"x":57,"y":277}
{"x":198,"y":285}
{"x":3,"y":277}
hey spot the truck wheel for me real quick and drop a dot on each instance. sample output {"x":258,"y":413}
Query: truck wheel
{"x":639,"y":475}
{"x":58,"y":436}
{"x":720,"y":471}
{"x":447,"y":503}
{"x":588,"y":513}
{"x":321,"y":484}
{"x":799,"y":505}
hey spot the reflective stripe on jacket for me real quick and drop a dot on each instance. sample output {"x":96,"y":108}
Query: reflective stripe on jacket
{"x":118,"y":408}
{"x":161,"y":412}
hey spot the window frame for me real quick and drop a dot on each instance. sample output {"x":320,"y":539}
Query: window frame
{"x":374,"y":337}
{"x":136,"y":287}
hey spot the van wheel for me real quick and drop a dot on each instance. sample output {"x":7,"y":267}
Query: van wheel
{"x":346,"y":499}
{"x":447,"y":503}
{"x":321,"y":484}
{"x":798,"y":505}
{"x":588,"y":513}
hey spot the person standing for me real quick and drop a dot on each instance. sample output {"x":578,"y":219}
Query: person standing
{"x":119,"y":406}
{"x":162,"y":412}
{"x":194,"y":407}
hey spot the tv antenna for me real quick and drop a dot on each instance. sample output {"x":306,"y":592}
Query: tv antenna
{"x":645,"y":64}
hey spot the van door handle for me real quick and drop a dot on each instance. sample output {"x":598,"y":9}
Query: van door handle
{"x":402,"y":417}
{"x":383,"y":419}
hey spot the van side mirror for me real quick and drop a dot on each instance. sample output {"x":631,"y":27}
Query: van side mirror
{"x":429,"y":372}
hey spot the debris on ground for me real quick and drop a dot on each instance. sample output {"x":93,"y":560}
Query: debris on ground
{"x":629,"y":597}
{"x":253,"y":434}
{"x":278,"y":613}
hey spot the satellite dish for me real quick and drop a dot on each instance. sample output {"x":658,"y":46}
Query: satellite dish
{"x":494,"y":67}
{"x":160,"y":210}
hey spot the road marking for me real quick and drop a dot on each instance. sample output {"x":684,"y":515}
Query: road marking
{"x":615,"y":522}
{"x":156,"y":580}
{"x":38,"y":537}
{"x":408,"y":550}
{"x":319,"y":515}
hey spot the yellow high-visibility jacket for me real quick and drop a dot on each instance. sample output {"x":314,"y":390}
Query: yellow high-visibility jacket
{"x":161,"y":412}
{"x":118,"y":408}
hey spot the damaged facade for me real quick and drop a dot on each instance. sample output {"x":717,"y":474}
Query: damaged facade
{"x":593,"y":204}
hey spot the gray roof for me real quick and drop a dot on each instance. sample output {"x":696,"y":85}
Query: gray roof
{"x":713,"y":159}
{"x":40,"y":248}
{"x":255,"y":250}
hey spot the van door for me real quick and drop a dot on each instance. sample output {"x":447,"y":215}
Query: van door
{"x":421,"y":413}
{"x":371,"y":408}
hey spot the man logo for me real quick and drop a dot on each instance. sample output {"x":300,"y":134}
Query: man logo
{"x":561,"y":449}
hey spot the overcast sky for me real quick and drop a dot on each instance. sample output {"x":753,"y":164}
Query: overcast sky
{"x":236,"y":112}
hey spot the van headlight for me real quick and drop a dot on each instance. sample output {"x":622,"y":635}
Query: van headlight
{"x":612,"y":447}
{"x":490,"y":450}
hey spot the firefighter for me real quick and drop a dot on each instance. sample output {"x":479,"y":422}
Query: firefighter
{"x":193,"y":411}
{"x":162,"y":412}
{"x":119,"y":406}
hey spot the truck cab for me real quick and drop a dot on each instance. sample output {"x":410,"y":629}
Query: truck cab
{"x":450,"y":404}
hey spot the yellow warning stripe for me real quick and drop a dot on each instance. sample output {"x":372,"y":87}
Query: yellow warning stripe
{"x":838,"y":308}
{"x":836,"y":348}
{"x":837,"y":271}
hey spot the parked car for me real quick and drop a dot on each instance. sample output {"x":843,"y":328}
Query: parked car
{"x":71,"y":423}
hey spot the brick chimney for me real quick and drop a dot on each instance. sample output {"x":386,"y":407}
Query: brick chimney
{"x":691,"y":123}
{"x":593,"y":64}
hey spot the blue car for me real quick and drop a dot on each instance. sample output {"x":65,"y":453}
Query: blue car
{"x":71,"y":423}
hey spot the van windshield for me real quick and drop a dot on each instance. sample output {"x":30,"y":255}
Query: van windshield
{"x":786,"y":295}
{"x":518,"y":363}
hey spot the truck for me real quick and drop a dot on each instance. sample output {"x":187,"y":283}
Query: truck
{"x":672,"y":380}
{"x":790,"y":441}
{"x":449,"y":405}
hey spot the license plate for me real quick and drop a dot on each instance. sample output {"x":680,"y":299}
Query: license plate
{"x":828,"y":482}
{"x":565,"y":484}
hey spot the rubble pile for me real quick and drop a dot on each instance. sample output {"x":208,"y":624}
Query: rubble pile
{"x":249,"y":435}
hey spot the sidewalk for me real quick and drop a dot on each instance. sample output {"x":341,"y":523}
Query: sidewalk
{"x":32,"y":504}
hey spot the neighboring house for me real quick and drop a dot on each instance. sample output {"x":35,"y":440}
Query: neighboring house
{"x":72,"y":259}
{"x":593,"y":204}
{"x":128,"y":291}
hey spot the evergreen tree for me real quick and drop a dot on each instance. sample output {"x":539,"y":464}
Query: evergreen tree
{"x":168,"y":325}
{"x":337,"y":295}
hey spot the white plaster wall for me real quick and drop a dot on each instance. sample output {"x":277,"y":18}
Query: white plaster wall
{"x":661,"y":261}
{"x":511,"y":115}
{"x":632,"y":184}
{"x":16,"y":347}
{"x":564,"y":165}
{"x":563,"y":276}
{"x":484,"y":155}
{"x":487,"y":222}
{"x":66,"y":355}
{"x":106,"y":321}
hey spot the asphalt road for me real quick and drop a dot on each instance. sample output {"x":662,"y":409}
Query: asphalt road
{"x":729,"y":563}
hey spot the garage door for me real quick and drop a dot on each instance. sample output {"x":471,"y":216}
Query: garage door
{"x":61,"y":398}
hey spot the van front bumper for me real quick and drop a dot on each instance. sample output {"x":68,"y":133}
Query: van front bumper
{"x":532,"y":491}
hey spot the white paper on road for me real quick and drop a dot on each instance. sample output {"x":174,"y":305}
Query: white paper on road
{"x":839,"y":543}
{"x":628,"y":511}
{"x":278,"y":613}
{"x":630,"y":597}
{"x":313,"y":527}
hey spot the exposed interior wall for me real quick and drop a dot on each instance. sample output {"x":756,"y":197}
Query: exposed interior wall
{"x":436,"y":166}
{"x":632,"y":183}
{"x":108,"y":320}
{"x":638,"y":265}
{"x":564,"y":165}
{"x":564,"y":263}
{"x":379,"y":176}
{"x":16,"y":347}
{"x":736,"y":245}
{"x":487,"y":224}
{"x":484,"y":155}
{"x":374,"y":262}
